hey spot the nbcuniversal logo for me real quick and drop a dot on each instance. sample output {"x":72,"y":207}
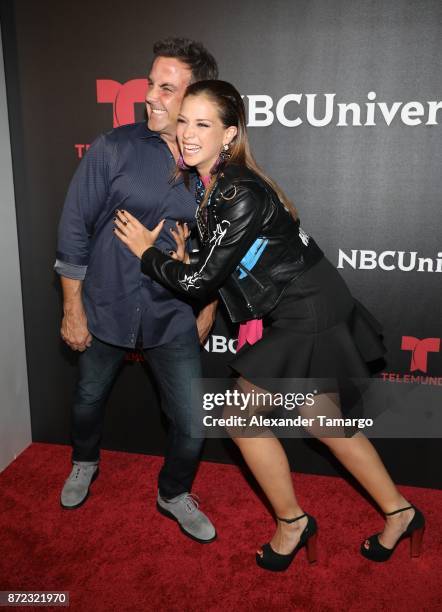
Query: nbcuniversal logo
{"x":405,"y":261}
{"x":290,"y":110}
{"x":214,"y":344}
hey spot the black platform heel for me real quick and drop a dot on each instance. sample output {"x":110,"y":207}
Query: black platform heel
{"x":273,"y":561}
{"x":415,"y":529}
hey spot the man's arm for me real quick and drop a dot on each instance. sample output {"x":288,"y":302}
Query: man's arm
{"x":205,"y":320}
{"x":84,"y":200}
{"x":74,"y":330}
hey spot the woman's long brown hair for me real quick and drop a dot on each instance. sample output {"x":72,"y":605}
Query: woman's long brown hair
{"x":232,"y":113}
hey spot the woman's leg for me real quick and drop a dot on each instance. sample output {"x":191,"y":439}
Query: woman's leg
{"x":268,"y":463}
{"x":361,"y":459}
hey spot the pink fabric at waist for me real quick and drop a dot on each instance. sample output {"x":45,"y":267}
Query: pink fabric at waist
{"x":250,"y":332}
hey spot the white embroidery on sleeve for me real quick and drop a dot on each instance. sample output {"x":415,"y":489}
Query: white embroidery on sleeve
{"x":304,"y":236}
{"x":218,"y":234}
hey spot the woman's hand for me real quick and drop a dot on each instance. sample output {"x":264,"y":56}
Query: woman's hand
{"x":181,"y":234}
{"x":134,"y":235}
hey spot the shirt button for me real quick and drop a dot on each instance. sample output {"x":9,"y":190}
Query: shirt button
{"x":138,"y":310}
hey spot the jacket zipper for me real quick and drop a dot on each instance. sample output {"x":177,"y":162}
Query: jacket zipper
{"x":252,"y":276}
{"x":249,"y":305}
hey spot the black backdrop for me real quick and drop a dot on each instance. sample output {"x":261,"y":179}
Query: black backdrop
{"x":367,"y":187}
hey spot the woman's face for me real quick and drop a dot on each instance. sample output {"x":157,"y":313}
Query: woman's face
{"x":201,"y":133}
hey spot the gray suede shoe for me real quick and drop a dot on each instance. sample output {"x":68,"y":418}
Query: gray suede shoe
{"x":76,"y":488}
{"x":184,"y":510}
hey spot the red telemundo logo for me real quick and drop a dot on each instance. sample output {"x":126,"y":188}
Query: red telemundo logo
{"x":420,"y":350}
{"x":123,"y":97}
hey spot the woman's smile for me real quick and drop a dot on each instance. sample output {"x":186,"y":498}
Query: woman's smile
{"x":201,"y":133}
{"x":190,"y":149}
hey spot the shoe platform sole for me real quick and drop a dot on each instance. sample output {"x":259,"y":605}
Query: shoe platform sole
{"x":168,"y":514}
{"x":94,"y":477}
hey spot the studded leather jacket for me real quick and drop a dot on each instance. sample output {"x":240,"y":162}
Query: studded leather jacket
{"x":252,"y":248}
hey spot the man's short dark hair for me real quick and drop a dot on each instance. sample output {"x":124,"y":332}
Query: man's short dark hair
{"x":201,"y":63}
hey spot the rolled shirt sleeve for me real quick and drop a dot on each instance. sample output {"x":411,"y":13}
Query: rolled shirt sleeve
{"x":86,"y":195}
{"x":73,"y":271}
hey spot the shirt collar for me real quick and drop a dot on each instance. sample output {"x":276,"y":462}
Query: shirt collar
{"x":145,"y":133}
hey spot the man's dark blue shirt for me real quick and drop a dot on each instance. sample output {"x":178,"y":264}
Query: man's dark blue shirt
{"x":129,"y":168}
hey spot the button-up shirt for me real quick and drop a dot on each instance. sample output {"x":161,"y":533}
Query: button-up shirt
{"x":129,"y":168}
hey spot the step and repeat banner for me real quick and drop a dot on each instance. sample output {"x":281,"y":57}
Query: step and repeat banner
{"x":344,"y":105}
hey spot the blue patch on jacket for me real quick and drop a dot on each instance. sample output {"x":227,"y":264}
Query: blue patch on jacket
{"x":251,"y":257}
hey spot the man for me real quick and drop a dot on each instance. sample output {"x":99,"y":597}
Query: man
{"x":110,"y":306}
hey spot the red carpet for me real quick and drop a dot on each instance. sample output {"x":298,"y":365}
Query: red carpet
{"x":116,"y":553}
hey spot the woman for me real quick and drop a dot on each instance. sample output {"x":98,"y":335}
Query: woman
{"x":265,"y":266}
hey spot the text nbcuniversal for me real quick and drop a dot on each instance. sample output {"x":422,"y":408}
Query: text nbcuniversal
{"x":290,"y":110}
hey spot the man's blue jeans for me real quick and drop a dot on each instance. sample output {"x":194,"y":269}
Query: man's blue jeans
{"x":174,"y":365}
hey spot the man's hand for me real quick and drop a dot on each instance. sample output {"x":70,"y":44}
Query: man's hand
{"x":205,"y":320}
{"x":74,"y":330}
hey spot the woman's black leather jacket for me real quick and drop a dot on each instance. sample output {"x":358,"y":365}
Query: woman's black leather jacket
{"x":252,"y":249}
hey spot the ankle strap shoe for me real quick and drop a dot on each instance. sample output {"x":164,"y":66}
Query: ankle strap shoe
{"x":373,"y":550}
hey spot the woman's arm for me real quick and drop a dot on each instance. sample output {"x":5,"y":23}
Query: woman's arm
{"x":239,"y":224}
